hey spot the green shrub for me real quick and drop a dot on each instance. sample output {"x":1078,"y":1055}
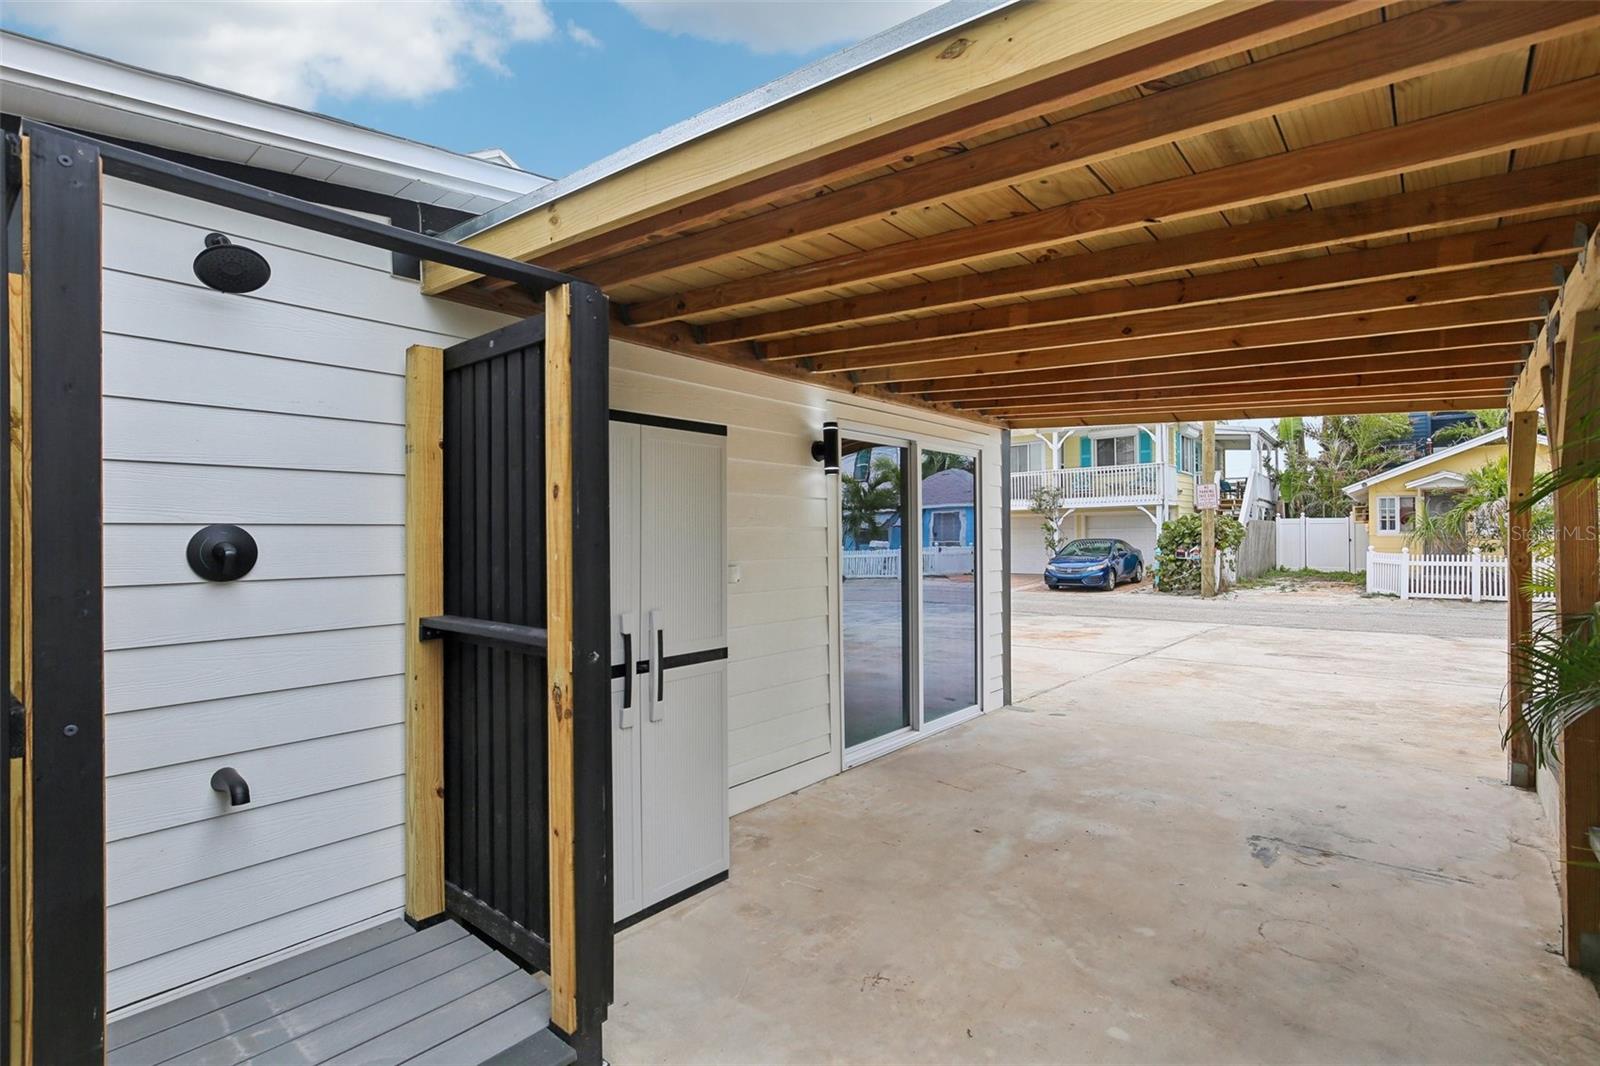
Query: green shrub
{"x":1181,"y":537}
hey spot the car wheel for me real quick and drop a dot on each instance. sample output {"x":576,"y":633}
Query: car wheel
{"x":1138,"y":573}
{"x":1111,"y":578}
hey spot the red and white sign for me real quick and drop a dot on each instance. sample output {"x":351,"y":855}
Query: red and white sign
{"x":1207,"y":497}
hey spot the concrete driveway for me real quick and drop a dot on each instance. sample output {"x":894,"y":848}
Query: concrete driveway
{"x":1192,"y":840}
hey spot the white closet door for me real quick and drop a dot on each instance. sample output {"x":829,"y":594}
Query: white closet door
{"x":683,"y":595}
{"x":633,"y":688}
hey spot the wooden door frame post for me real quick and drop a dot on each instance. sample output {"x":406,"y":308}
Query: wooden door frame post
{"x":1522,"y":441}
{"x":577,"y":618}
{"x":424,"y":658}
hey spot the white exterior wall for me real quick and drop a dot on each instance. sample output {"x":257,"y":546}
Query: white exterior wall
{"x":783,"y":684}
{"x":282,"y":411}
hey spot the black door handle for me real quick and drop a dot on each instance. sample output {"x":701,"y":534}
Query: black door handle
{"x":661,"y":664}
{"x":229,"y":780}
{"x":627,"y":670}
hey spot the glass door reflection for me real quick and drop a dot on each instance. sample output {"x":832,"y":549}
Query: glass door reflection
{"x":873,"y":596}
{"x":949,"y":500}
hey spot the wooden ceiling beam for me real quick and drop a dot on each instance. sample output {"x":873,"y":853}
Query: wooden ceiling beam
{"x":1485,"y":312}
{"x":1463,"y":379}
{"x":1258,"y":409}
{"x":1446,"y":257}
{"x":1421,"y":43}
{"x":1422,"y":343}
{"x":1567,"y":110}
{"x":1049,"y":57}
{"x":1556,"y":186}
{"x":1403,"y":292}
{"x":1094,"y":377}
{"x":1423,"y":395}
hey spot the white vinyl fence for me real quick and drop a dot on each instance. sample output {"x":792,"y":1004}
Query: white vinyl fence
{"x":1473,"y":576}
{"x":885,"y":562}
{"x":1327,"y":544}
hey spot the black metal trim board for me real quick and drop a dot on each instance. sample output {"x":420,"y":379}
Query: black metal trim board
{"x":672,"y":900}
{"x":591,"y":638}
{"x":663,"y":422}
{"x":67,"y":682}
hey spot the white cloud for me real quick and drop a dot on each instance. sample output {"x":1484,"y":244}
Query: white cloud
{"x":581,"y":35}
{"x":776,"y":25}
{"x":297,"y":53}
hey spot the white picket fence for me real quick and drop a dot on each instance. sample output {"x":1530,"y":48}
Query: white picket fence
{"x":1473,"y":576}
{"x":885,"y":562}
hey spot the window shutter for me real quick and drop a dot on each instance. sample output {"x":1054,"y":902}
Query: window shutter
{"x":1085,"y":451}
{"x":1144,"y":446}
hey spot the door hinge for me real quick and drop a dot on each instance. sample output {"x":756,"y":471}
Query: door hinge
{"x":16,"y":728}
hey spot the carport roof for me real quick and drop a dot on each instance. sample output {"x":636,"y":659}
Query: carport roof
{"x":1090,"y":212}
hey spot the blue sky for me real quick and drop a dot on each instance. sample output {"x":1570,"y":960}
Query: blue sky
{"x":564,"y":105}
{"x":556,"y":84}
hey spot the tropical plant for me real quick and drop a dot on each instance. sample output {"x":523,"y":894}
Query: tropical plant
{"x":1481,"y":422}
{"x":1348,"y":448}
{"x":1050,"y":504}
{"x":868,"y":502}
{"x":1559,"y":659}
{"x":1178,"y":550}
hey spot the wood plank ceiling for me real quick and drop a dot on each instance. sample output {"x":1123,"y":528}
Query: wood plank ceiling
{"x":1361,"y":208}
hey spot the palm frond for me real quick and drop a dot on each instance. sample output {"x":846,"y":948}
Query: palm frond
{"x":1561,"y":663}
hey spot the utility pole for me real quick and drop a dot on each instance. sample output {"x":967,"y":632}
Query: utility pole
{"x":1208,"y":509}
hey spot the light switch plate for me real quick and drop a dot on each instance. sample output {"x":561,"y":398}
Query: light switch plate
{"x":735,"y":575}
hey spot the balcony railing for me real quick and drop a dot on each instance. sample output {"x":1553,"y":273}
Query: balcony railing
{"x":1133,"y":483}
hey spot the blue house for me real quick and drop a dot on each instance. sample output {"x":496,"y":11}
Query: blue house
{"x":948,"y":512}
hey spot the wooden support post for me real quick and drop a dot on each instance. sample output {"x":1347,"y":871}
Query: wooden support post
{"x":1577,"y":396}
{"x":558,"y":622}
{"x":578,"y":619}
{"x":1208,"y":516}
{"x":424,"y":659}
{"x":1522,"y":438}
{"x":19,"y":622}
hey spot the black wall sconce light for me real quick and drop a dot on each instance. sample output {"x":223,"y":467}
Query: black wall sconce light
{"x":229,"y":267}
{"x":826,"y":450}
{"x":222,"y":553}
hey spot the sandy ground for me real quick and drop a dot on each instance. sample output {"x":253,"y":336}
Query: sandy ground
{"x":1194,"y":839}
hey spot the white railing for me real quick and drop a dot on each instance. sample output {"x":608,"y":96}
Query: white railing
{"x":885,"y":562}
{"x":1473,"y":576}
{"x":1134,"y":481}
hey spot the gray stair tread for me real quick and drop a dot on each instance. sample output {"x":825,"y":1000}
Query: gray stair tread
{"x":386,"y":994}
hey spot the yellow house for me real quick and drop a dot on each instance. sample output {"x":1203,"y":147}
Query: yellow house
{"x":1391,"y":498}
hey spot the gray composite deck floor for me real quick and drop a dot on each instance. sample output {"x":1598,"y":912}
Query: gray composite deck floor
{"x":389,"y":994}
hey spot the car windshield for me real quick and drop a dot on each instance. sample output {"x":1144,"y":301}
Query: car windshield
{"x":1087,"y":547}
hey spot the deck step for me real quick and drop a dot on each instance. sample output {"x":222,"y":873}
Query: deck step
{"x":391,"y":994}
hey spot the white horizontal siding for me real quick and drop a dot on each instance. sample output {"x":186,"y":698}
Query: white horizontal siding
{"x":282,"y":411}
{"x":781,"y":532}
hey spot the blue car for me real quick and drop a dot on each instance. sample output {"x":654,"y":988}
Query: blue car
{"x":1096,"y":563}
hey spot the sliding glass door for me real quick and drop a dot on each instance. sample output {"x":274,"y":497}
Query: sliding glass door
{"x":949,"y":583}
{"x":873,"y":601}
{"x":909,"y":589}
